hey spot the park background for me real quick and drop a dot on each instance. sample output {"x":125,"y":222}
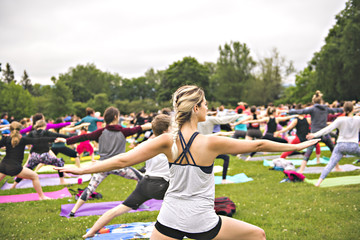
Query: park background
{"x":284,"y":211}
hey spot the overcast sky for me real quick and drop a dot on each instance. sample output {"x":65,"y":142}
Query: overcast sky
{"x":46,"y":38}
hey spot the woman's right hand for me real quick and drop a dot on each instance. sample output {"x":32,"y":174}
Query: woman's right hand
{"x":301,"y":146}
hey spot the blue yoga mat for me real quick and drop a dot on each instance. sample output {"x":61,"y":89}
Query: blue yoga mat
{"x":297,"y":162}
{"x":238,"y":178}
{"x":126,"y":231}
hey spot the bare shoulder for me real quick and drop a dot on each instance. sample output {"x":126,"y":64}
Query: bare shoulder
{"x":165,"y":139}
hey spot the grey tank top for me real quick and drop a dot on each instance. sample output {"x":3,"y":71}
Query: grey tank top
{"x":189,"y":201}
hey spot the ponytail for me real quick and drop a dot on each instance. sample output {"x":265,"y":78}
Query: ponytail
{"x":15,"y":133}
{"x":317,"y":97}
{"x":184,"y":99}
{"x":348,"y":108}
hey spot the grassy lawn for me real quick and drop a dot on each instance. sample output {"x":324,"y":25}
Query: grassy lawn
{"x":283,"y":210}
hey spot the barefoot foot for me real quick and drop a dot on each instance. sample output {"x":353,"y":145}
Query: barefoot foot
{"x":44,"y":198}
{"x":225,"y":181}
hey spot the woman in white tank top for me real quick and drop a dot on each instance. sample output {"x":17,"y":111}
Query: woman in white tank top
{"x":191,"y":187}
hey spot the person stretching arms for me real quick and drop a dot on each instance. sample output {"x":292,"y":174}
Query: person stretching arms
{"x":348,"y":140}
{"x":153,"y":185}
{"x":12,"y":163}
{"x":112,"y":141}
{"x":188,"y":206}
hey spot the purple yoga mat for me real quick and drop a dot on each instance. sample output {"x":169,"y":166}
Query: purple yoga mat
{"x":34,"y":196}
{"x":89,"y":209}
{"x":48,"y":180}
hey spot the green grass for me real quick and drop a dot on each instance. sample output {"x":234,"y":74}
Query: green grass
{"x":283,"y":210}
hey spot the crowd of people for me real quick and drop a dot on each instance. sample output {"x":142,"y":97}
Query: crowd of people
{"x":179,"y":146}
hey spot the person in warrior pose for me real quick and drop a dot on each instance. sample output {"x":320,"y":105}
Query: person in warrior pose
{"x":319,"y":114}
{"x":112,"y":141}
{"x":348,"y":140}
{"x":153,"y":185}
{"x":188,"y":206}
{"x":12,"y":163}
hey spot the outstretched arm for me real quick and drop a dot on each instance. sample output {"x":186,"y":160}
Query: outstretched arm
{"x":145,"y":151}
{"x":69,"y":129}
{"x":262,"y":120}
{"x":223,"y":145}
{"x":291,"y":126}
{"x":281,"y":119}
{"x":324,"y":131}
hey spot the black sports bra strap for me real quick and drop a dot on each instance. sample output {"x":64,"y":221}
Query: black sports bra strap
{"x":186,"y":148}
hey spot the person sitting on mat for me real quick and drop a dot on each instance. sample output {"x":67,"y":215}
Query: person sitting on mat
{"x":153,"y":185}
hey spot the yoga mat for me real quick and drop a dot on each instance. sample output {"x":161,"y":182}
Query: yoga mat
{"x":260,"y":158}
{"x":50,"y":168}
{"x":337,"y":181}
{"x":100,"y":208}
{"x":345,"y":168}
{"x":34,"y":196}
{"x":125,"y":231}
{"x":297,"y":162}
{"x":86,"y":158}
{"x":47,"y":180}
{"x":238,"y":178}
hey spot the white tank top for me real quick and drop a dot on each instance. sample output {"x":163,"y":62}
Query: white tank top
{"x":189,"y":201}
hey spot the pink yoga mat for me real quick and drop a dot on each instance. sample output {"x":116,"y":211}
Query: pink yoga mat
{"x":34,"y":196}
{"x":48,"y":180}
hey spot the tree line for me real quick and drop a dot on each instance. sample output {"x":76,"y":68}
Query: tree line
{"x":235,"y":77}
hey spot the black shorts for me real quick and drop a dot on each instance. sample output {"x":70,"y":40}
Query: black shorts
{"x":148,"y":188}
{"x":10,"y":169}
{"x":170,"y":232}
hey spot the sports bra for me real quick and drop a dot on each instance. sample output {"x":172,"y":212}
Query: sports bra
{"x":254,"y":125}
{"x":271,"y":125}
{"x":183,"y":158}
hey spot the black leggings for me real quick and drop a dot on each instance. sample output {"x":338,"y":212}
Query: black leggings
{"x":270,"y":136}
{"x":325,"y":139}
{"x":226,"y":159}
{"x":65,"y":150}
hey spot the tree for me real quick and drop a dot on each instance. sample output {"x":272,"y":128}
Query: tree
{"x":187,"y":71}
{"x":8,"y":74}
{"x":232,"y":74}
{"x":86,"y":81}
{"x":16,"y":101}
{"x":26,"y":82}
{"x":272,"y":70}
{"x":99,"y":103}
{"x":60,"y":100}
{"x":337,"y":63}
{"x":304,"y":88}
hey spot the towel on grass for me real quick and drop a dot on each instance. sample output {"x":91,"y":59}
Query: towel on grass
{"x":100,"y":208}
{"x":34,"y":196}
{"x":297,"y":162}
{"x":336,"y":181}
{"x":125,"y":231}
{"x":238,"y":178}
{"x":47,"y":180}
{"x":345,"y":168}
